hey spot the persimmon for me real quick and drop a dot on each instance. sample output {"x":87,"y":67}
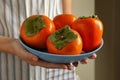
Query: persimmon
{"x":91,"y":31}
{"x":64,"y":41}
{"x":35,"y":31}
{"x":63,"y":20}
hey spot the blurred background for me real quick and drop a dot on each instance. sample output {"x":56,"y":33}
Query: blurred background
{"x":106,"y":66}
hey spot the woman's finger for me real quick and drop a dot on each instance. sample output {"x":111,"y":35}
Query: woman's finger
{"x":84,"y":61}
{"x":75,"y":64}
{"x":93,"y":56}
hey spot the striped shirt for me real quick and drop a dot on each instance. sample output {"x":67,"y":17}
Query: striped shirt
{"x":12,"y":14}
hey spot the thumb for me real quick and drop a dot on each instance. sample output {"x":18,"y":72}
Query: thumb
{"x":32,"y":57}
{"x":35,"y":58}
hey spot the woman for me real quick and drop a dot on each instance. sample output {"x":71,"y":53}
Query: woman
{"x":13,"y":56}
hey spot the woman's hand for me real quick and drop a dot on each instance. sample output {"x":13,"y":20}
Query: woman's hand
{"x":12,"y":46}
{"x":85,"y":61}
{"x":34,"y":60}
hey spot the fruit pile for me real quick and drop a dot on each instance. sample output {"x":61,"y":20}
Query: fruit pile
{"x":65,"y":35}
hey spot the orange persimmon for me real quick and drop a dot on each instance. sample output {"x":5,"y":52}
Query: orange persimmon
{"x":63,"y":20}
{"x":35,"y":31}
{"x":64,"y":41}
{"x":91,"y":31}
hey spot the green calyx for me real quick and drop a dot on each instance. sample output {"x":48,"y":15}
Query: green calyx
{"x":93,"y":16}
{"x":62,"y":37}
{"x":33,"y":25}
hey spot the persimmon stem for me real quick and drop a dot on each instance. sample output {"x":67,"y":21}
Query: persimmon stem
{"x":62,"y":37}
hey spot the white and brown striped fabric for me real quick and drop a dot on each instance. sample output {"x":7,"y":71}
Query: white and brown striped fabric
{"x":12,"y":14}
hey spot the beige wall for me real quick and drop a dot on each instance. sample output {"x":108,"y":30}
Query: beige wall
{"x":85,"y":8}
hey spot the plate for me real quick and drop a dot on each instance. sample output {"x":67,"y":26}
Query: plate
{"x":59,"y":58}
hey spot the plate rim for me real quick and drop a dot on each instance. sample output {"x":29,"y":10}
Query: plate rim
{"x":82,"y":54}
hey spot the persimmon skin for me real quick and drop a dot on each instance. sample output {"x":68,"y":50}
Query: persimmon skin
{"x":63,"y":19}
{"x":91,"y":31}
{"x":38,"y":41}
{"x":72,"y":48}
